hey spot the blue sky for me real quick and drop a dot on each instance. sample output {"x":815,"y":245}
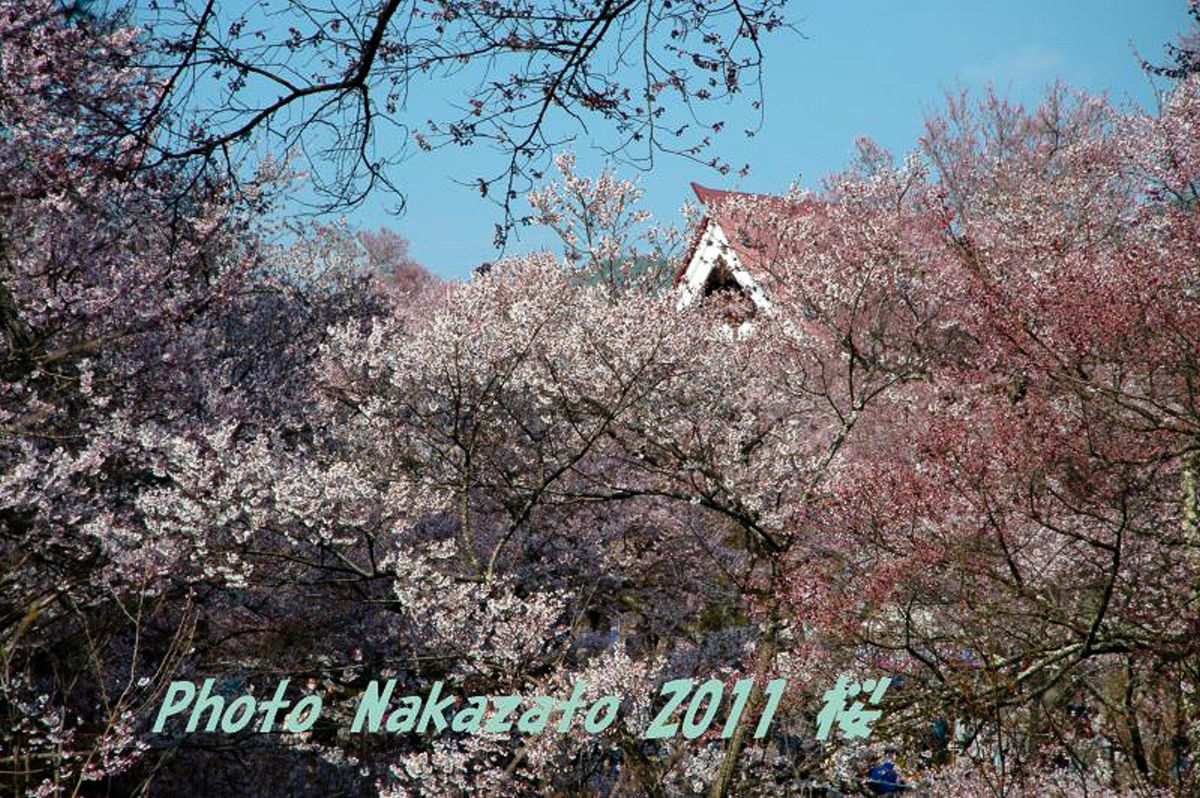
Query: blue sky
{"x":862,"y":68}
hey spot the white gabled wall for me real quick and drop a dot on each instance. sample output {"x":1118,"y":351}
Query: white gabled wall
{"x":702,"y":262}
{"x":714,"y":244}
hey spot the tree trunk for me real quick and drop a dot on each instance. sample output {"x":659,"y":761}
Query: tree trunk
{"x":1190,"y":710}
{"x":763,"y":660}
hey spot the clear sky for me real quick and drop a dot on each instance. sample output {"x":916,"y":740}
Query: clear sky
{"x":869,"y":68}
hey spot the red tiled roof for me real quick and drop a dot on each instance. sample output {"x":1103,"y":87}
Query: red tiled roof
{"x":749,"y":234}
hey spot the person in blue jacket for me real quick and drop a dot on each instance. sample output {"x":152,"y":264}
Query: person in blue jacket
{"x":884,"y":779}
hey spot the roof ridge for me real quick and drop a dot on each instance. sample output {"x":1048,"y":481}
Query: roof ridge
{"x":705,"y":194}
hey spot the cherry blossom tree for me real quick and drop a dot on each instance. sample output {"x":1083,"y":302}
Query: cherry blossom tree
{"x":387,"y":253}
{"x":132,"y":301}
{"x":1027,"y":552}
{"x":959,"y":449}
{"x":607,"y":235}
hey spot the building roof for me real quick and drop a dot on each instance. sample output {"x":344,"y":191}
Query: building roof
{"x":749,"y":221}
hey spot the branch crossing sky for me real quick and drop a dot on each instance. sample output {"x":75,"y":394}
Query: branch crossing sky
{"x":865,"y":68}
